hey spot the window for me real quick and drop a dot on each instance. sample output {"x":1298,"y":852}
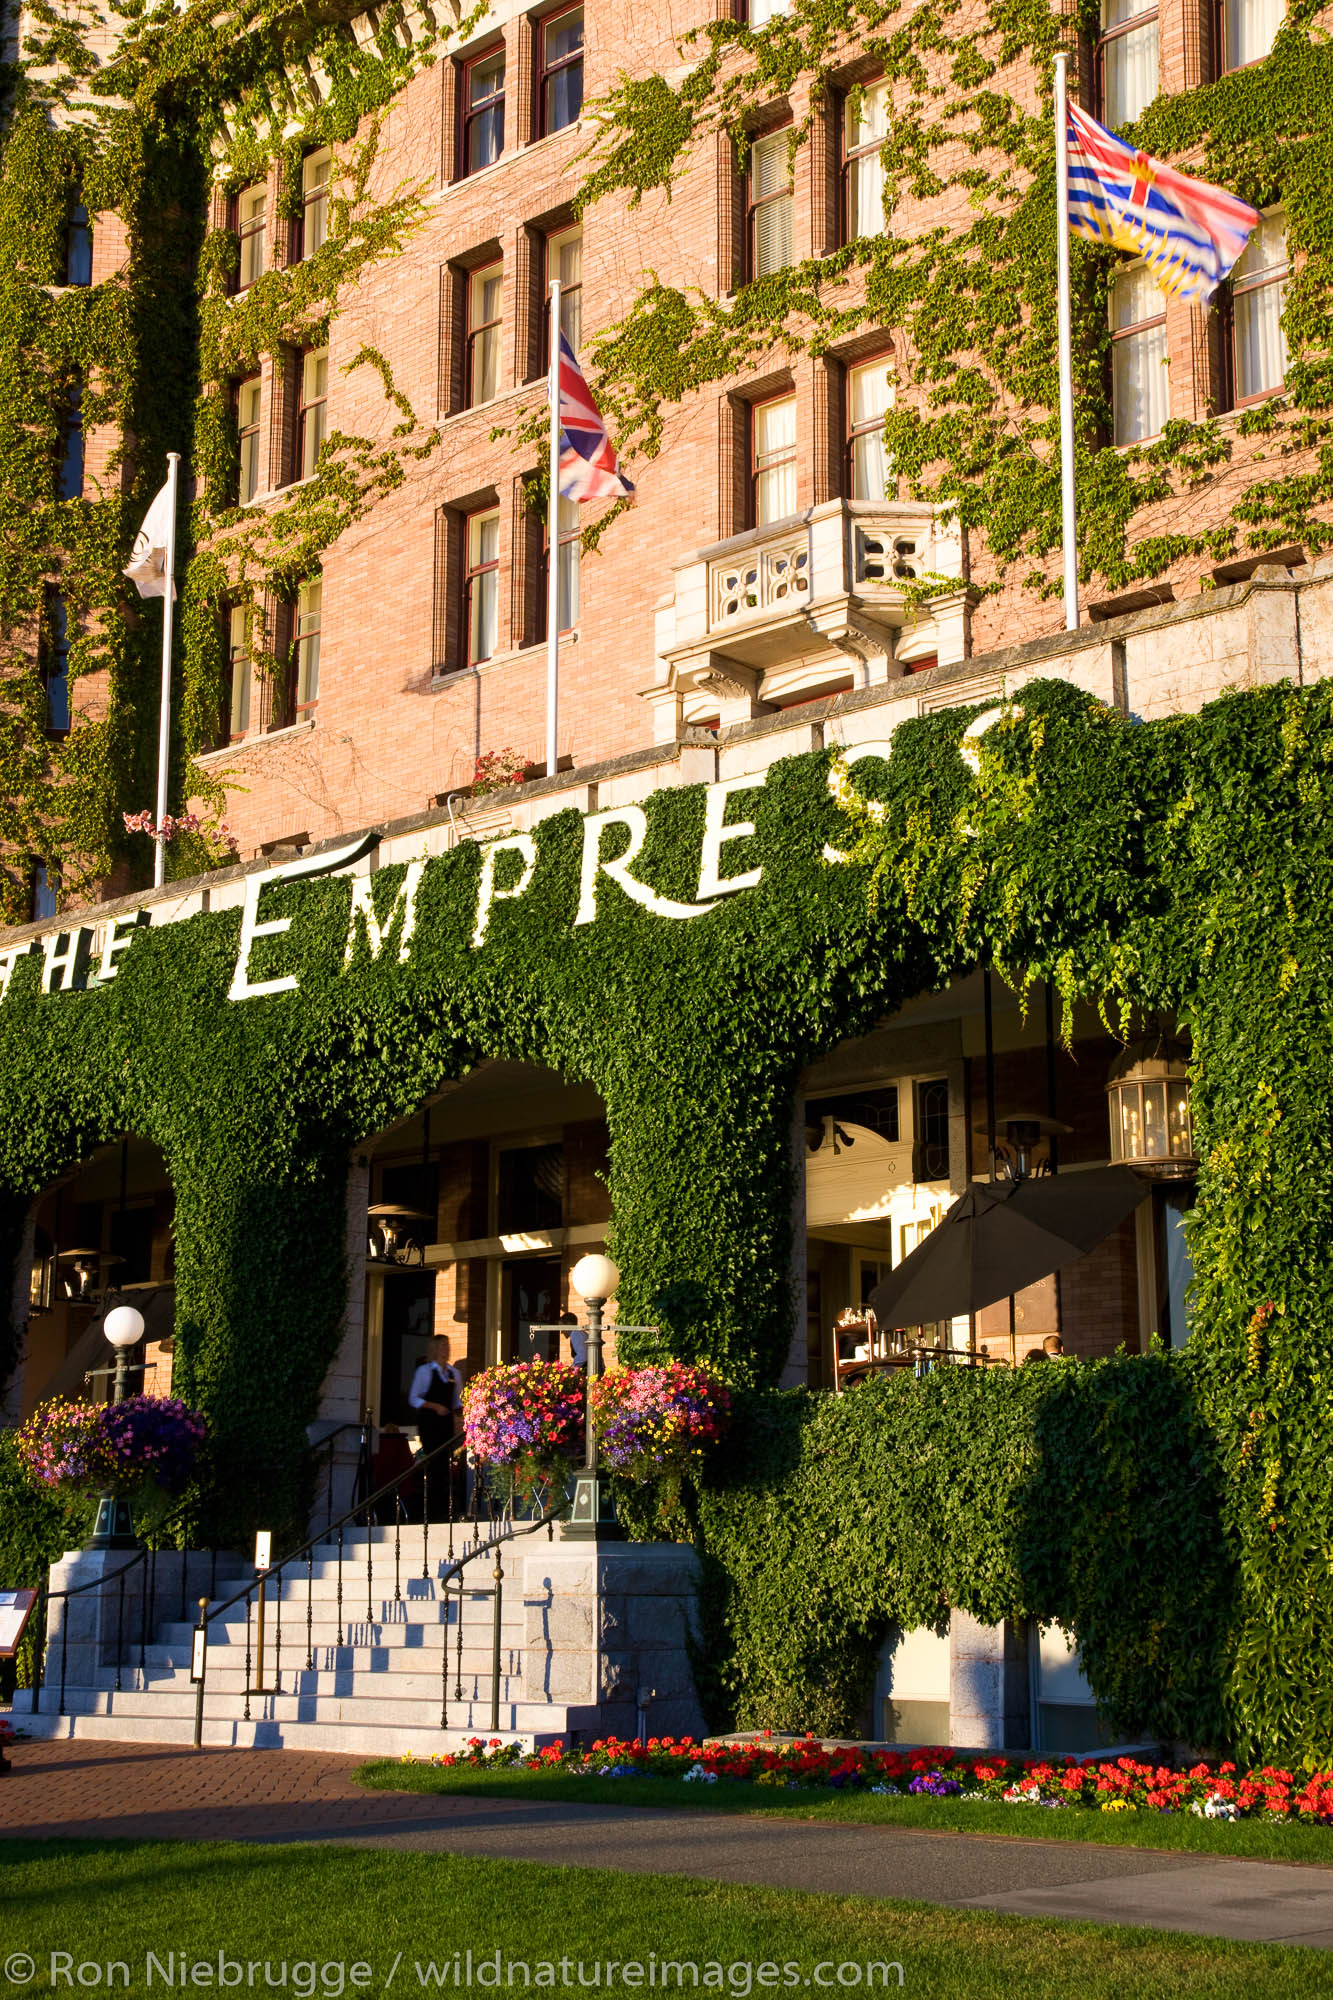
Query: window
{"x":561,"y":85}
{"x":247,"y":426}
{"x":1138,"y":355}
{"x":309,"y":605}
{"x":770,"y":203}
{"x":530,"y":1190}
{"x":485,"y":296}
{"x":316,"y":171}
{"x":761,"y":12}
{"x":238,"y":672}
{"x":248,"y":222}
{"x":483,"y":110}
{"x":53,"y":659}
{"x":482,"y":583}
{"x":564,"y":260}
{"x":1248,"y":30}
{"x":931,"y":1162}
{"x":869,"y":399}
{"x":570,"y":542}
{"x":314,"y":412}
{"x":1127,"y":60}
{"x":1258,"y":289}
{"x":865,"y":128}
{"x":78,"y":247}
{"x":69,"y":481}
{"x":44,"y":896}
{"x":773,"y":460}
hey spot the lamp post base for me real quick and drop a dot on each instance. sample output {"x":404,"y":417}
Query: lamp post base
{"x":592,"y":1517}
{"x":114,"y":1527}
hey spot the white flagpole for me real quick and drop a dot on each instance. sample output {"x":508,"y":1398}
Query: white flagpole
{"x":1066,"y":344}
{"x":164,"y":717}
{"x":553,"y":544}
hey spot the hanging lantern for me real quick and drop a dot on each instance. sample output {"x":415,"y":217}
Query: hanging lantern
{"x":1148,"y":1097}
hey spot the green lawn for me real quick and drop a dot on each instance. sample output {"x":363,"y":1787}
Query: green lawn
{"x":1256,"y":1840}
{"x":326,"y":1911}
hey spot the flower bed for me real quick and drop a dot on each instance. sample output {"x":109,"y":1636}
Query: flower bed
{"x":1113,"y":1785}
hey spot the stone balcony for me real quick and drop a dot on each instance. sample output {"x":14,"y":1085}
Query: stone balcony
{"x":803,"y":607}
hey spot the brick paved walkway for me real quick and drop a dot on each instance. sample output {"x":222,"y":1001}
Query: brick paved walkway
{"x":95,"y":1790}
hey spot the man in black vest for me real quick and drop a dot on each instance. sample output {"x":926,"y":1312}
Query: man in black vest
{"x":436,"y":1397}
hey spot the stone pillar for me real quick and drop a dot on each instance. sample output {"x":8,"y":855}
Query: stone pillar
{"x":989,"y":1696}
{"x":605,"y":1632}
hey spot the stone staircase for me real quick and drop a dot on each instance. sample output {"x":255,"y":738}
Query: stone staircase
{"x":365,"y":1661}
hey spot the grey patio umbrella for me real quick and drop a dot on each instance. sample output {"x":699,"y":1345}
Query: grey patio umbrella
{"x":1001,"y":1236}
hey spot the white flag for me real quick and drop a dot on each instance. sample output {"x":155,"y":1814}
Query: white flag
{"x":147,"y":566}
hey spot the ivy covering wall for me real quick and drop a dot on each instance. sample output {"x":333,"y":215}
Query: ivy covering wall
{"x":1181,"y":865}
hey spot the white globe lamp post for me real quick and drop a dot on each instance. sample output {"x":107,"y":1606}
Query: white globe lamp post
{"x":114,"y":1529}
{"x":596,"y":1279}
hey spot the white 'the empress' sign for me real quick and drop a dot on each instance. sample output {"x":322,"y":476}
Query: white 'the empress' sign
{"x":91,"y":954}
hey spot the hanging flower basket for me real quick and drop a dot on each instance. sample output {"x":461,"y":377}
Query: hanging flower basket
{"x":659,"y":1422}
{"x":143,"y":1449}
{"x":523,"y":1421}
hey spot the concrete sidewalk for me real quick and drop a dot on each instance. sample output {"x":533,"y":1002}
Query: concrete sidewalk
{"x":89,"y":1790}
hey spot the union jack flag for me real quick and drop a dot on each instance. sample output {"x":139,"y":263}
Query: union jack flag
{"x":588,"y":467}
{"x":1187,"y":232}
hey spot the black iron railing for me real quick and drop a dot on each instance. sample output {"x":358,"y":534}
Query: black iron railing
{"x":177,"y":1530}
{"x":485,"y":1521}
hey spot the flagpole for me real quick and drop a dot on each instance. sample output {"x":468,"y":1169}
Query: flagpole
{"x":553,"y":542}
{"x":164,"y":715}
{"x":1066,"y":343}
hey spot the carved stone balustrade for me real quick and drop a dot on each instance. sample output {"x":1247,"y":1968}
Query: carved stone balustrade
{"x":795,"y":609}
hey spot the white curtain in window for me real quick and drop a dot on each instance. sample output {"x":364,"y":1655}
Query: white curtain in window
{"x":869,"y":396}
{"x":567,"y":265}
{"x":1261,"y":345}
{"x":309,"y":608}
{"x":316,"y":170}
{"x":1131,"y":67}
{"x":764,"y":11}
{"x":1260,"y":282}
{"x":314,"y":404}
{"x":484,"y":547}
{"x":247,"y":418}
{"x":867,"y":125}
{"x":240,"y":673}
{"x":1138,"y":385}
{"x":775,"y":439}
{"x":569,"y":564}
{"x":770,"y":171}
{"x":1249,"y":27}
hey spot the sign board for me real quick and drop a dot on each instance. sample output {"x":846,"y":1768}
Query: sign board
{"x":15,"y":1611}
{"x":198,"y":1652}
{"x":264,"y":1549}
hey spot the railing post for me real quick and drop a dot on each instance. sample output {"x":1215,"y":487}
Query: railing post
{"x":340,"y":1583}
{"x":248,"y":1595}
{"x":202,"y":1663}
{"x":120,"y":1627}
{"x":39,"y":1645}
{"x":495,"y":1644}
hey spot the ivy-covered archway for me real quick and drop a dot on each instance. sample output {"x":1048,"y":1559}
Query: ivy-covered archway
{"x":1181,"y":865}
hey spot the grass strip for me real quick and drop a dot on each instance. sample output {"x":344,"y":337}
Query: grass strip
{"x":1250,"y":1840}
{"x":302,"y":1919}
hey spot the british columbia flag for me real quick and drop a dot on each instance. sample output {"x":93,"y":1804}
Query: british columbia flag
{"x":588,"y":467}
{"x":1188,"y":233}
